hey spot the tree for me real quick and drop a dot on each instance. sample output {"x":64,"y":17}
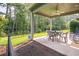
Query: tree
{"x":2,"y":23}
{"x":19,"y":24}
{"x":59,"y":23}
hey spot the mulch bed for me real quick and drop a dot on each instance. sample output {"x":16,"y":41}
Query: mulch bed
{"x":3,"y":51}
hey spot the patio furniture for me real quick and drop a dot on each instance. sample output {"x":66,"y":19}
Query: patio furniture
{"x":53,"y":35}
{"x":57,"y":36}
{"x":76,"y":37}
{"x":64,"y":37}
{"x":50,"y":35}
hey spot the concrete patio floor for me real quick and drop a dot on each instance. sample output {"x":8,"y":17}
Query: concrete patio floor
{"x":62,"y":48}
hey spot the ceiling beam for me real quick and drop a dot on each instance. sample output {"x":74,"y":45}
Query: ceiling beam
{"x":62,"y":14}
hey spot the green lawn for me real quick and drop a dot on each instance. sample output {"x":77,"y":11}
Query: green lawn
{"x":22,"y":38}
{"x":65,"y":31}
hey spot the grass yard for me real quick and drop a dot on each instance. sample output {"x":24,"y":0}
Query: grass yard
{"x":65,"y":30}
{"x":16,"y":40}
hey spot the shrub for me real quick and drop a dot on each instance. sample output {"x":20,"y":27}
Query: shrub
{"x":74,"y":25}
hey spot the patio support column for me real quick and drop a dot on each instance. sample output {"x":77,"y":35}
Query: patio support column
{"x":50,"y":19}
{"x":10,"y":47}
{"x":32,"y":25}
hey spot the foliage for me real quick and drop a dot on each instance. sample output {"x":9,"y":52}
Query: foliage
{"x":59,"y":24}
{"x":42,"y":24}
{"x":2,"y":24}
{"x":74,"y":25}
{"x":20,"y":24}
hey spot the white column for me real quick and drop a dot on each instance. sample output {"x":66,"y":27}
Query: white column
{"x":50,"y":23}
{"x":32,"y":26}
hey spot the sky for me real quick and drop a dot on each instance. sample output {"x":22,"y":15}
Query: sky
{"x":3,"y":9}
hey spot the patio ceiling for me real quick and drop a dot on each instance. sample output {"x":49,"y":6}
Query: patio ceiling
{"x":55,"y":9}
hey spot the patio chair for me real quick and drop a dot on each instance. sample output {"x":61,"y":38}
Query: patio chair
{"x":76,"y":37}
{"x":51,"y":35}
{"x":56,"y":36}
{"x":64,"y":37}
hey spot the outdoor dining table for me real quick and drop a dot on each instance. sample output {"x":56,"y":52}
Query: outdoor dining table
{"x":55,"y":35}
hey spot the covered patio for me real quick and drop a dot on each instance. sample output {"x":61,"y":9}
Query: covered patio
{"x":53,"y":10}
{"x":43,"y":46}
